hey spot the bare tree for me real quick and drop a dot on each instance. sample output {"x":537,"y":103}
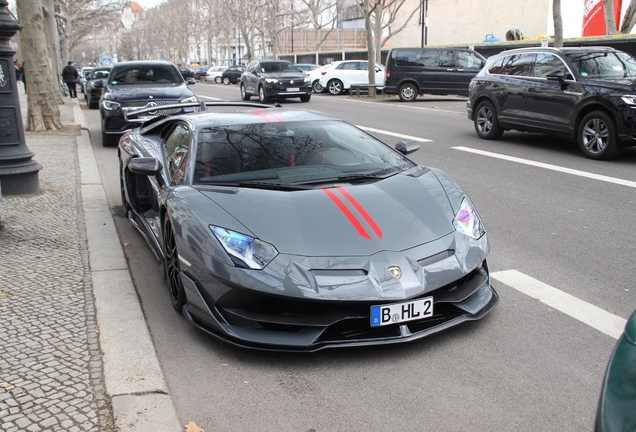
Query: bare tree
{"x":388,"y":20}
{"x":629,"y":20}
{"x":42,"y":111}
{"x":322,"y":17}
{"x":558,"y":23}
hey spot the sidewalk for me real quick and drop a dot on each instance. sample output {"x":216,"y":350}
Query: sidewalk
{"x":75,"y":351}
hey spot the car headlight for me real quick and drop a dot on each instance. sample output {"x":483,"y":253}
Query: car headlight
{"x":190,"y":99}
{"x":271,"y":80}
{"x":307,"y":79}
{"x":245,"y":251}
{"x":110,"y":105}
{"x":629,"y":99}
{"x":467,"y":221}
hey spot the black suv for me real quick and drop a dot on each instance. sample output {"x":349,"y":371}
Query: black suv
{"x":587,"y":93}
{"x":137,"y":84}
{"x":232,"y":74}
{"x":274,"y":79}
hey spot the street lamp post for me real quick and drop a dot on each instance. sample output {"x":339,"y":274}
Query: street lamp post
{"x":18,"y":173}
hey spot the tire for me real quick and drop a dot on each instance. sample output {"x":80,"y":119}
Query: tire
{"x":172,"y":267}
{"x":244,"y":95}
{"x":305,"y":98}
{"x":217,"y":80}
{"x":407,"y":92}
{"x":597,"y":136}
{"x":262,"y":97}
{"x":316,"y":87}
{"x":109,"y":140}
{"x":486,"y":122}
{"x":335,"y":87}
{"x":226,"y":81}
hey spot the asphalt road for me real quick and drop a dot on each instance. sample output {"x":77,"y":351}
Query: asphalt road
{"x":553,"y":223}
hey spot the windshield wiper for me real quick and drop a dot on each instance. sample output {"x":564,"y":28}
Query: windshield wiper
{"x":256,"y":185}
{"x":377,"y":175}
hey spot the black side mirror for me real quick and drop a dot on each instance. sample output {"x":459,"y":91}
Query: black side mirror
{"x":147,"y":166}
{"x":407,"y":147}
{"x":556,"y":75}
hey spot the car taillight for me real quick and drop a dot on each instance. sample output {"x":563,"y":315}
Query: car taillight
{"x":387,"y":74}
{"x":323,"y":73}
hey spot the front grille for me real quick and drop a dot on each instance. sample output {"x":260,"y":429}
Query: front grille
{"x":142,"y":104}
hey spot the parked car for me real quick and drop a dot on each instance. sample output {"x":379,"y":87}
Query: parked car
{"x":617,"y":402}
{"x":587,"y":94}
{"x":415,"y":71}
{"x":314,"y":78}
{"x":186,"y":72}
{"x":214,"y":74}
{"x":95,"y":85}
{"x":83,"y":75}
{"x":137,"y":84}
{"x":274,"y":79}
{"x":273,"y":229}
{"x":306,"y":67}
{"x":338,"y":78}
{"x":199,"y":72}
{"x":232,"y":74}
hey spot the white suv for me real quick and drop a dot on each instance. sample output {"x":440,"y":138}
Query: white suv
{"x":339,"y":77}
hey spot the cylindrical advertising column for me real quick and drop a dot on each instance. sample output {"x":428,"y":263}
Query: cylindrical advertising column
{"x":594,"y":17}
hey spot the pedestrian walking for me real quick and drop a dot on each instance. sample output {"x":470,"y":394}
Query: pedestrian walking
{"x":69,"y":76}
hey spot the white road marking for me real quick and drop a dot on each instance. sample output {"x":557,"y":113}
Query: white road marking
{"x":591,"y":315}
{"x":210,"y":97}
{"x":571,"y":171}
{"x":406,"y":105}
{"x":380,"y":131}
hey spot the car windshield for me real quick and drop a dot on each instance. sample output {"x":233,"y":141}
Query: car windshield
{"x":604,"y":65}
{"x":278,"y":67}
{"x":292,"y":153}
{"x":158,"y":74}
{"x":100,"y":74}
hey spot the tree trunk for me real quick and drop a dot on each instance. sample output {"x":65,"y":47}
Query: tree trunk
{"x":558,"y":24}
{"x":52,"y":37}
{"x":377,"y":33}
{"x":42,"y":113}
{"x":370,"y":47}
{"x":610,"y":20}
{"x":629,"y":20}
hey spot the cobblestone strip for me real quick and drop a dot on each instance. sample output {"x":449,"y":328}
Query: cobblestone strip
{"x":50,"y":366}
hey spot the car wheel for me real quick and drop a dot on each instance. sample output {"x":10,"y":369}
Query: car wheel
{"x":262,"y":97}
{"x":226,"y":81}
{"x":407,"y":92}
{"x":305,"y":98}
{"x":244,"y":94}
{"x":316,"y":87}
{"x":486,"y":122}
{"x":597,"y":136}
{"x":217,"y":80}
{"x":172,"y":267}
{"x":335,"y":87}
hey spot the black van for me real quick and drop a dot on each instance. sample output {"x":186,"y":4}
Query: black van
{"x":413,"y":71}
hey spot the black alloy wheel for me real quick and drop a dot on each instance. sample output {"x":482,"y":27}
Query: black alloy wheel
{"x":172,"y":267}
{"x":262,"y":97}
{"x":486,"y":122}
{"x":226,"y":81}
{"x":305,"y":98}
{"x":244,"y":95}
{"x":597,"y":136}
{"x":335,"y":87}
{"x":407,"y":92}
{"x":316,"y":87}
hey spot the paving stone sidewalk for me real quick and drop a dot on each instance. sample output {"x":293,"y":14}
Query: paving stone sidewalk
{"x":51,"y":375}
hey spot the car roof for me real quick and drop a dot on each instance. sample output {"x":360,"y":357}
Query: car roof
{"x":102,"y":68}
{"x":563,"y":50}
{"x":143,"y":63}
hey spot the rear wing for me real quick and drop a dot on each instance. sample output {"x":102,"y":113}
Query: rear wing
{"x":136,"y":115}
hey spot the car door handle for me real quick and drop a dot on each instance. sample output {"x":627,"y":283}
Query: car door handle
{"x":530,"y":90}
{"x":460,"y":70}
{"x":450,"y":70}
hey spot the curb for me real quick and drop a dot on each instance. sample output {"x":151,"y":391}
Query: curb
{"x":133,"y":377}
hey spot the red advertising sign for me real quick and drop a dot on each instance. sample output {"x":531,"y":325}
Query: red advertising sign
{"x":594,"y":17}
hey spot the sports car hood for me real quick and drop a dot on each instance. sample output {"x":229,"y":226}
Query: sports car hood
{"x":393,"y":214}
{"x":148,"y":91}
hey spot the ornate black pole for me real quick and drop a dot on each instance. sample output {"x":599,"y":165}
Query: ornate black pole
{"x":18,"y":173}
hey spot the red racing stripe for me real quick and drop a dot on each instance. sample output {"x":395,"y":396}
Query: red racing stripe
{"x":260,"y":114}
{"x":362,"y":211}
{"x":343,"y":208}
{"x":265,"y":114}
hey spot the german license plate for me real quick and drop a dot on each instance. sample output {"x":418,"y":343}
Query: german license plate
{"x":401,"y":312}
{"x":146,"y":117}
{"x":293,"y":89}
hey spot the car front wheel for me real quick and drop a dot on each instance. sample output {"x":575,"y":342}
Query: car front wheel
{"x":486,"y":122}
{"x":597,"y":136}
{"x":316,"y":87}
{"x":217,"y":80}
{"x":244,"y":95}
{"x":335,"y":87}
{"x":262,"y":97}
{"x":305,"y":98}
{"x":407,"y":92}
{"x":226,"y":81}
{"x":172,"y":267}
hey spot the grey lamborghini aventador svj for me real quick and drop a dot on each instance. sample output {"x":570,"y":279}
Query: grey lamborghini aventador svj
{"x":292,"y":230}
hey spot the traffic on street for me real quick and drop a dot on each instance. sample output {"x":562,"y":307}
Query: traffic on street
{"x":561,"y":261}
